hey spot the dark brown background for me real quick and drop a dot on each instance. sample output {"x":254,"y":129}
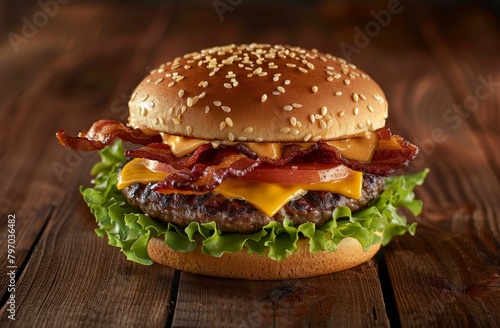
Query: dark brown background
{"x":439,"y":66}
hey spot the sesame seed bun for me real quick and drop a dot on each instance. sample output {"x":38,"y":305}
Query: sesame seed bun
{"x":258,"y":93}
{"x":243,"y":265}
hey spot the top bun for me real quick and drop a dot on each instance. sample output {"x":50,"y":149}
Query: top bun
{"x":258,"y":93}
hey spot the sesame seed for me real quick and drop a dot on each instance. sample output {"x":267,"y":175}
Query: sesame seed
{"x":360,"y":125}
{"x":337,"y":76}
{"x":189,"y":102}
{"x":314,"y":89}
{"x":316,"y":138}
{"x":242,"y":139}
{"x":160,"y":80}
{"x":259,"y":139}
{"x":261,"y":74}
{"x":248,"y":130}
{"x":318,"y":116}
{"x":155,"y":121}
{"x":307,"y":137}
{"x":324,"y":110}
{"x":226,"y":109}
{"x":176,"y":121}
{"x":207,"y":109}
{"x":293,"y":121}
{"x":170,"y":110}
{"x":285,"y":130}
{"x":287,"y":82}
{"x":183,"y":109}
{"x":329,"y":123}
{"x":368,"y":122}
{"x":276,"y":78}
{"x":144,"y":111}
{"x":302,"y":69}
{"x":171,"y":84}
{"x":295,"y":105}
{"x":228,"y":85}
{"x":222,"y":125}
{"x":295,"y":132}
{"x":322,"y":124}
{"x":229,"y":121}
{"x":329,"y":72}
{"x":355,"y":97}
{"x":329,"y":78}
{"x":276,"y":93}
{"x":281,"y":89}
{"x":212,"y":73}
{"x":310,"y":65}
{"x":290,"y":65}
{"x":263,"y":98}
{"x":347,"y":81}
{"x":338,"y":93}
{"x":312,"y":118}
{"x":205,"y":84}
{"x":203,"y":94}
{"x":230,"y":136}
{"x":356,"y":111}
{"x":362,"y":96}
{"x":180,"y":93}
{"x":257,"y":71}
{"x":287,"y":108}
{"x":217,"y":103}
{"x":189,"y":129}
{"x":370,"y":108}
{"x":341,"y":114}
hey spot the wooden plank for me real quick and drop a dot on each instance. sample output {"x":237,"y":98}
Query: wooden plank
{"x":66,"y":274}
{"x":448,"y":274}
{"x":31,"y":188}
{"x":475,"y":72}
{"x":74,"y":278}
{"x":347,"y":299}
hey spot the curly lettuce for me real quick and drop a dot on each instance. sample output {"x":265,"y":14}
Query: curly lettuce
{"x":130,"y":230}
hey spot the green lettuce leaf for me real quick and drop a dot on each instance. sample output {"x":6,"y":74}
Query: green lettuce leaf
{"x":130,"y":230}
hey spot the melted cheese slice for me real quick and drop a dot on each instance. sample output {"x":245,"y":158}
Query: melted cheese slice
{"x":268,"y":197}
{"x":359,"y":149}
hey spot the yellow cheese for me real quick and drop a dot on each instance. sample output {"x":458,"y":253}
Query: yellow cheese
{"x":268,"y":197}
{"x":359,"y":149}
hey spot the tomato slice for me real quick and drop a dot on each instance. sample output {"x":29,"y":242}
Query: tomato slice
{"x":297,"y":173}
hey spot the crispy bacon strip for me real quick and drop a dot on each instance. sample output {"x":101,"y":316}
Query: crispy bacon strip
{"x":102,"y":133}
{"x":204,"y":178}
{"x":206,"y":167}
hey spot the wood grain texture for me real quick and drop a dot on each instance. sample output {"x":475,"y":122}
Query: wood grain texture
{"x":448,"y":274}
{"x":351,"y":298}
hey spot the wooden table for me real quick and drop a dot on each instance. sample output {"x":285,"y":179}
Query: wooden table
{"x":440,"y":69}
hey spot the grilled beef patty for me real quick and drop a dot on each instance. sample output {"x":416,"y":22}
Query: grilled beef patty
{"x":237,"y":215}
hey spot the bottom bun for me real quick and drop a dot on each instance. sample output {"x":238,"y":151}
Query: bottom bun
{"x":243,"y":265}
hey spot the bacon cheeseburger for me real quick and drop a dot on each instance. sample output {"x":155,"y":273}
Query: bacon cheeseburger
{"x":254,"y":161}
